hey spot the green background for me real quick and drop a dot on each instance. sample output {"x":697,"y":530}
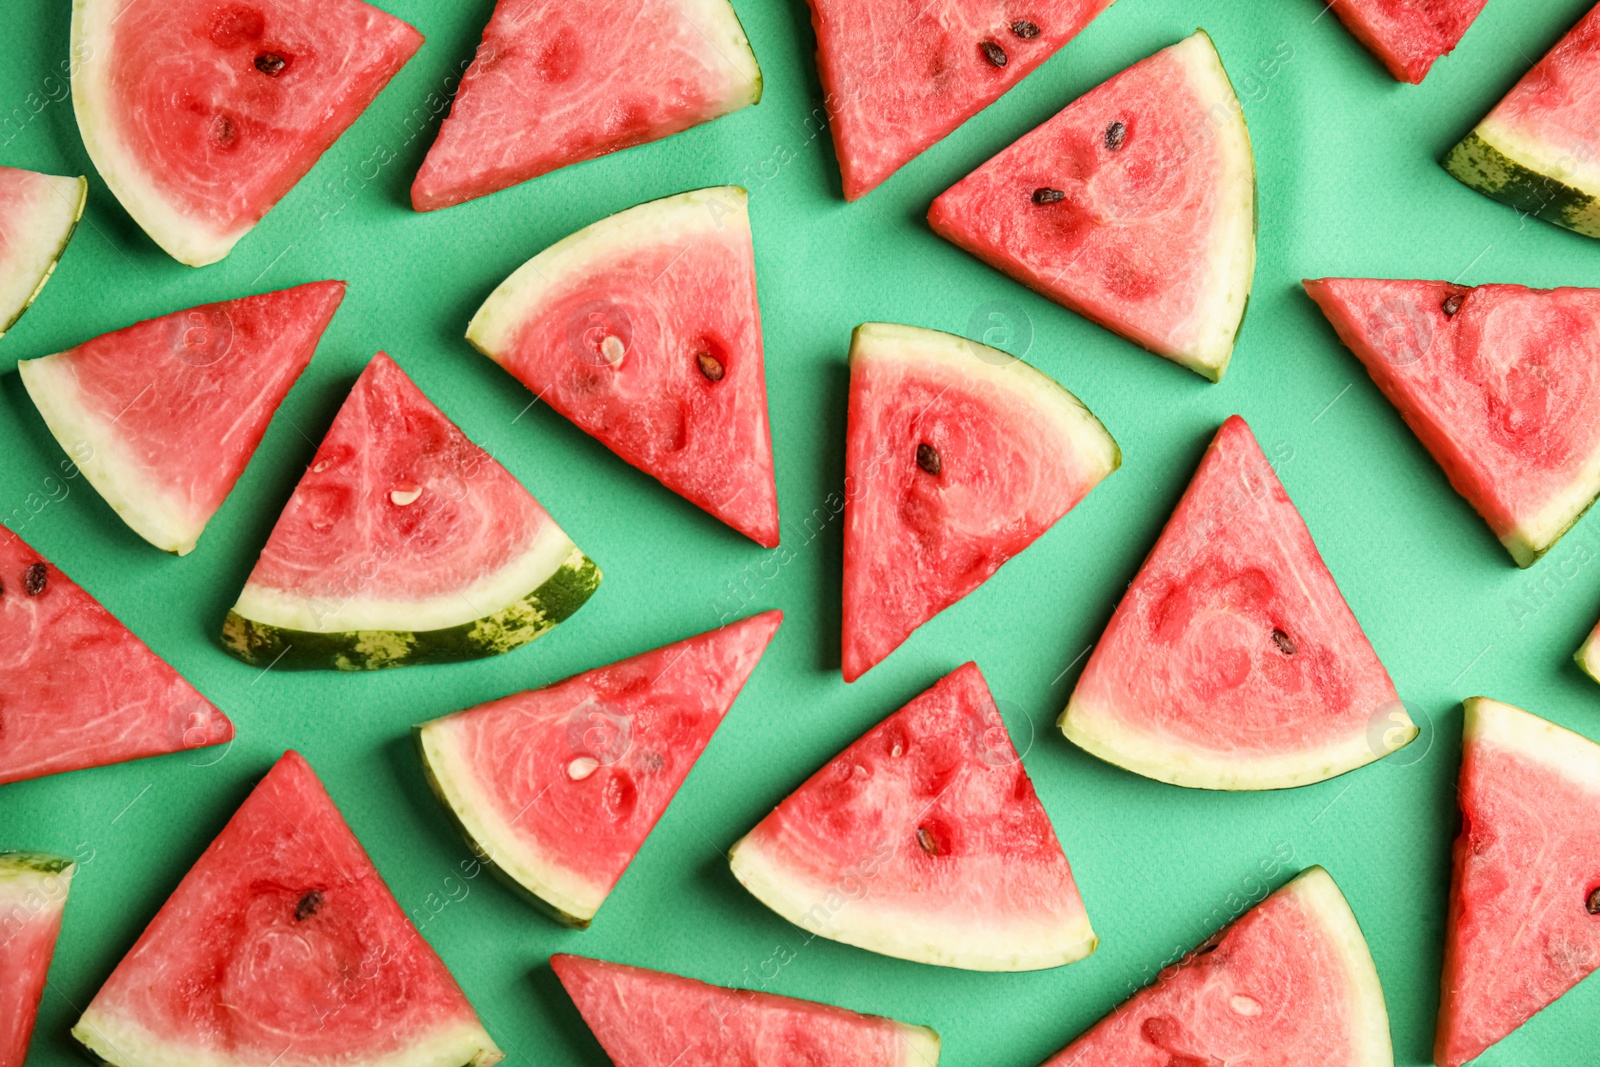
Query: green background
{"x":1349,"y":184}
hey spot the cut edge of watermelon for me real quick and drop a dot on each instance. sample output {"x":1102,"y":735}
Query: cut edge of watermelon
{"x":726,"y":24}
{"x":1316,"y":890}
{"x":1527,"y":541}
{"x":51,"y":231}
{"x":1527,"y":174}
{"x":1588,"y":654}
{"x":1566,"y":752}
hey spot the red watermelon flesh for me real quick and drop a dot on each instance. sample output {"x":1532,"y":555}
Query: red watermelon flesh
{"x":1525,"y":900}
{"x":201,"y":115}
{"x":33,"y":892}
{"x":283,"y":945}
{"x":649,"y":1018}
{"x":163,"y":416}
{"x":38,"y":215}
{"x":1501,"y":384}
{"x":77,"y":688}
{"x":924,"y":840}
{"x":1408,"y":35}
{"x":1233,"y":661}
{"x":644,"y":330}
{"x":559,"y":787}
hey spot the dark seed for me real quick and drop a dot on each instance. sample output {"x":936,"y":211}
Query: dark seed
{"x":222,"y":130}
{"x":710,"y":366}
{"x":993,"y":53}
{"x":1452,"y":304}
{"x":1285,"y":645}
{"x":271,"y":64}
{"x":35,"y":580}
{"x":1593,"y":903}
{"x":1046,"y":195}
{"x":928,"y":458}
{"x":1025,"y":29}
{"x":308,"y":906}
{"x":1116,"y":133}
{"x":926,"y":841}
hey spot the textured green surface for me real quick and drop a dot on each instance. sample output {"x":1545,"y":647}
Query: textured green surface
{"x":1350,"y":184}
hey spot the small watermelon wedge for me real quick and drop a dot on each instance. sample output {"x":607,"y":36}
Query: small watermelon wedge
{"x":643,"y":329}
{"x":1290,"y":982}
{"x":33,"y":893}
{"x":38,"y":215}
{"x":1524,"y":921}
{"x":556,"y":84}
{"x":646,"y":1018}
{"x":1134,"y":207}
{"x":1588,"y":654}
{"x":958,"y":456}
{"x":1499,"y":382}
{"x":1408,"y":35}
{"x":201,"y":116}
{"x":557,"y":788}
{"x":924,"y":840}
{"x":163,"y":416}
{"x":1233,"y":662}
{"x":77,"y":688}
{"x":283,"y":945}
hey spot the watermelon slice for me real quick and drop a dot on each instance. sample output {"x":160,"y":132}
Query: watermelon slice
{"x":77,"y":688}
{"x":1408,"y":35}
{"x":1501,"y":383}
{"x":643,"y":329}
{"x":1588,"y":655}
{"x":1525,"y":900}
{"x":1291,"y":982}
{"x":38,"y":214}
{"x":1134,"y":207}
{"x":404,"y":543}
{"x":33,"y":892}
{"x":283,"y":945}
{"x":924,"y":840}
{"x":202,"y":115}
{"x":1232,"y":661}
{"x":557,"y":788}
{"x":958,"y":456}
{"x":169,"y":411}
{"x":556,"y":84}
{"x":652,"y":1019}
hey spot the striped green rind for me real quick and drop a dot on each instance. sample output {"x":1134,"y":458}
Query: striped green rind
{"x":1479,"y":164}
{"x":36,"y":862}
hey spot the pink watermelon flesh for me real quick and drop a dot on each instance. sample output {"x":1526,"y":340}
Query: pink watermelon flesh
{"x":897,"y":77}
{"x":1408,"y":35}
{"x":77,"y":689}
{"x":33,"y":892}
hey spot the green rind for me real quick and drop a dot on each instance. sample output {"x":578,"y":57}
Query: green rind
{"x":35,"y":862}
{"x":61,"y":250}
{"x":1480,"y":165}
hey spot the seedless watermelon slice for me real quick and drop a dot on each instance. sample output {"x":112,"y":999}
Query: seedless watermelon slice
{"x":163,"y":416}
{"x":1408,"y":35}
{"x":557,"y":788}
{"x":38,"y":214}
{"x":33,"y":892}
{"x":201,"y":116}
{"x":924,"y":840}
{"x":1233,"y":662}
{"x":404,"y":543}
{"x":643,"y":329}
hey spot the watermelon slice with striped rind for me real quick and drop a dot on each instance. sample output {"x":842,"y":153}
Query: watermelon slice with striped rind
{"x":924,"y":840}
{"x":1499,"y":382}
{"x":646,"y":1018}
{"x":556,"y":84}
{"x":1525,"y":900}
{"x":282,"y":945}
{"x":557,"y":788}
{"x":77,"y":688}
{"x":33,"y":893}
{"x":958,"y":457}
{"x":201,"y":116}
{"x":1233,"y":661}
{"x":643,"y":329}
{"x":1408,"y":35}
{"x":163,"y":416}
{"x":404,"y":543}
{"x":1134,"y":206}
{"x":38,"y":215}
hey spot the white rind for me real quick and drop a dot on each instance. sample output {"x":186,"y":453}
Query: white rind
{"x":718,"y":23}
{"x":1575,"y":758}
{"x":39,"y":242}
{"x":27,"y":893}
{"x":921,"y":1044}
{"x":1588,"y":654}
{"x":1559,"y":160}
{"x":1531,"y":539}
{"x":1315,"y":889}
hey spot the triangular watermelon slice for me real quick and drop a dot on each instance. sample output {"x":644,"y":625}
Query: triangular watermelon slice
{"x":1525,"y":900}
{"x":924,"y":840}
{"x":958,"y":456}
{"x":558,"y":788}
{"x":77,"y":688}
{"x":282,"y":945}
{"x":1290,"y":982}
{"x":1408,"y":35}
{"x":1499,"y":382}
{"x":201,"y":116}
{"x":1134,"y":207}
{"x":556,"y":84}
{"x":649,"y":1018}
{"x":163,"y":416}
{"x":1233,"y":662}
{"x":33,"y":893}
{"x":38,"y":215}
{"x":643,"y":329}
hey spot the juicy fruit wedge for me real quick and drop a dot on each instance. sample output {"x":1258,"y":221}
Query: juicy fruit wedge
{"x":33,"y":892}
{"x":958,"y":456}
{"x":924,"y":840}
{"x":648,"y":1018}
{"x":163,"y":416}
{"x":558,"y":788}
{"x":1501,"y":383}
{"x":1134,"y":207}
{"x":1290,"y":982}
{"x":556,"y":84}
{"x":77,"y":688}
{"x":404,"y":543}
{"x":1525,"y":900}
{"x":643,"y":329}
{"x":283,"y":945}
{"x":201,"y":116}
{"x":1232,"y":661}
{"x":38,"y":214}
{"x":1408,"y":35}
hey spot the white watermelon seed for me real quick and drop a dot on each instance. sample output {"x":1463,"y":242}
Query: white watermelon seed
{"x":582,"y":767}
{"x":1243,"y":1005}
{"x":613,"y":349}
{"x":408,"y":495}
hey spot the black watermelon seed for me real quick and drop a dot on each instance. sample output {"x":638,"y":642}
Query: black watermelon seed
{"x":1046,"y":195}
{"x":1593,"y":903}
{"x":1025,"y":29}
{"x":1285,"y":645}
{"x":1116,"y":133}
{"x":308,"y":906}
{"x":926,"y":842}
{"x":36,"y":578}
{"x":1452,"y":304}
{"x":928,"y":458}
{"x":993,"y":53}
{"x":710,"y":366}
{"x":271,"y":64}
